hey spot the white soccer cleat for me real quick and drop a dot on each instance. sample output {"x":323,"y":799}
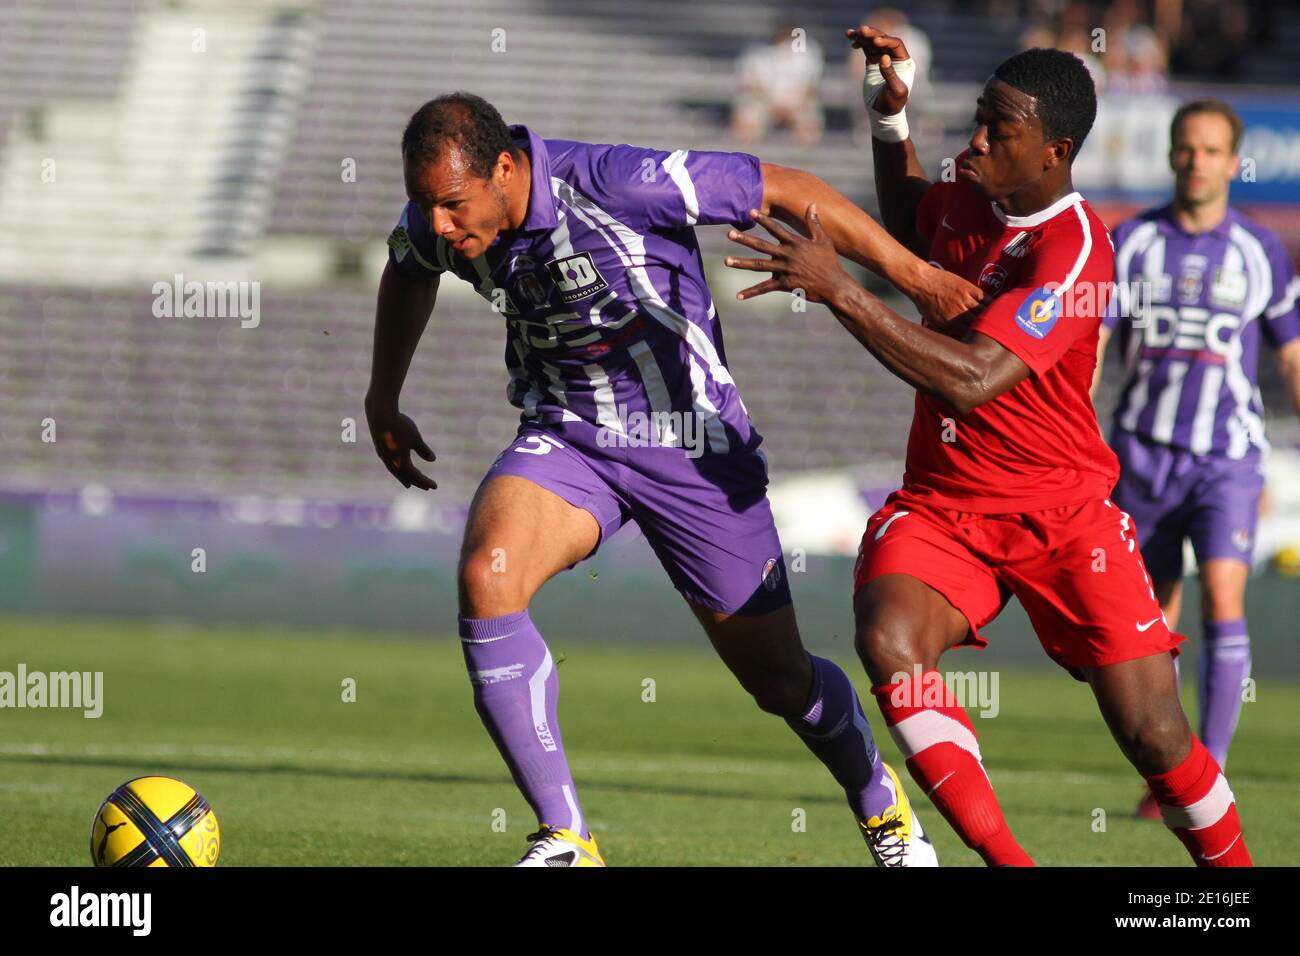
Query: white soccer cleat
{"x":553,"y":846}
{"x":896,"y":837}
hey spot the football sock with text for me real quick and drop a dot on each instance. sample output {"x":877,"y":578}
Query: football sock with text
{"x":516,"y":691}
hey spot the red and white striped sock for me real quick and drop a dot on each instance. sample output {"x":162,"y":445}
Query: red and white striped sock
{"x":938,"y":741}
{"x":1198,"y":806}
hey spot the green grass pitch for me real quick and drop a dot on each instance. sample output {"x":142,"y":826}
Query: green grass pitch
{"x":405,"y":775}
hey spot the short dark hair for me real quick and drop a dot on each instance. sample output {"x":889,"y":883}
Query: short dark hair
{"x":1063,"y":87}
{"x":468,"y":121}
{"x":1210,"y":106}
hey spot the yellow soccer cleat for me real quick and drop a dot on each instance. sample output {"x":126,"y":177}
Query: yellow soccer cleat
{"x":553,"y":846}
{"x":896,"y":837}
{"x":155,"y":821}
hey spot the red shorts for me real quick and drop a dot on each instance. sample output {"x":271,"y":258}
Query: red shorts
{"x":1076,"y":569}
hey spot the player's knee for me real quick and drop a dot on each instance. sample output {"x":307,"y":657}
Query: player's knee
{"x":1222,"y":601}
{"x":885,"y":649}
{"x":1157,"y":741}
{"x":484,"y":587}
{"x":778,"y":694}
{"x":779,"y":687}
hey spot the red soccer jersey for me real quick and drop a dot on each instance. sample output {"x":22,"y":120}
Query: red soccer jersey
{"x":1038,"y":445}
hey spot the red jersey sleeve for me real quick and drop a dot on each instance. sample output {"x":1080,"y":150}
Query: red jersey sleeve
{"x":1059,"y":296}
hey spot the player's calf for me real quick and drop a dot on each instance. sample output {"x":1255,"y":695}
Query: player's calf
{"x":818,"y":702}
{"x":765,"y":655}
{"x":1139,"y":701}
{"x":518,"y":536}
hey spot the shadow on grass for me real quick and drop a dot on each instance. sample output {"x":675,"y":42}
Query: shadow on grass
{"x":362,"y":774}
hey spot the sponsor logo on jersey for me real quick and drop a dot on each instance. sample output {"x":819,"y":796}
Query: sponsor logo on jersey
{"x":772,"y":574}
{"x":1228,"y":289}
{"x":992,"y":278}
{"x":1037,"y":315}
{"x":576,"y":277}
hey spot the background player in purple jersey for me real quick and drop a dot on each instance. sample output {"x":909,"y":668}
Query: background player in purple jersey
{"x":628,"y":413}
{"x":1199,"y":285}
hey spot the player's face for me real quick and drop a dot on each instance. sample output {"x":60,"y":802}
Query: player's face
{"x":1007,"y":150}
{"x":1202,"y":159}
{"x":468,"y":210}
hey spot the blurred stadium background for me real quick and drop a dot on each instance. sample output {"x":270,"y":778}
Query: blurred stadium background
{"x":257,"y":141}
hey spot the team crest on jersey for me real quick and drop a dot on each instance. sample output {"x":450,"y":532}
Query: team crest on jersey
{"x":576,"y":277}
{"x":400,"y":242}
{"x":1228,"y":290}
{"x":528,"y":280}
{"x":1037,"y":315}
{"x":772,"y":574}
{"x":1192,"y":282}
{"x":992,"y":277}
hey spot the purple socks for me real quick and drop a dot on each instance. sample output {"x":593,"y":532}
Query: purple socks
{"x":1225,"y":664}
{"x":836,"y":730}
{"x":515,"y":693}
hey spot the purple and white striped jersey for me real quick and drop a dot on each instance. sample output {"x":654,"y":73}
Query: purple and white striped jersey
{"x":602,"y":288}
{"x":1189,"y":314}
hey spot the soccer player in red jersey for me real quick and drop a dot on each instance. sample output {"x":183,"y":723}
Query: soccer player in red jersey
{"x":1007,"y":478}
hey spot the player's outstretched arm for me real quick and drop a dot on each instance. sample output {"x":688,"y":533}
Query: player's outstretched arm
{"x":961,"y":374}
{"x":401,"y":314}
{"x":938,"y":295}
{"x":1288,"y":360}
{"x":900,"y":179}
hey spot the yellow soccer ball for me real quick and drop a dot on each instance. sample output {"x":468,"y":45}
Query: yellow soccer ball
{"x":155,"y":821}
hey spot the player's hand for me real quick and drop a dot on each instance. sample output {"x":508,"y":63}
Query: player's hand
{"x":943,"y":297}
{"x":883,"y":50}
{"x":810,"y":265}
{"x":395,"y":436}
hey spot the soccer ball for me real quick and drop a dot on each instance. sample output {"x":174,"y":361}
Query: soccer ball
{"x":155,"y":821}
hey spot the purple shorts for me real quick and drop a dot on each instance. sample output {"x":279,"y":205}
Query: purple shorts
{"x":706,"y":518}
{"x":1173,"y":495}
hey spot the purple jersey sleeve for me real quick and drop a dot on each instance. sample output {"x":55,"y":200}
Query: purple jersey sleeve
{"x":1282,"y":314}
{"x":658,"y":189}
{"x":414,"y":249}
{"x":1115,"y":306}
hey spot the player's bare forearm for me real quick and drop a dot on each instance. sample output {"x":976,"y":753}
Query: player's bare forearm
{"x":787,"y":193}
{"x":900,"y":184}
{"x":401,"y":314}
{"x":961,"y":374}
{"x":1288,"y":358}
{"x":939,"y":296}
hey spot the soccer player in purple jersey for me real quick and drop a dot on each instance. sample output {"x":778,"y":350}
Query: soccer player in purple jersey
{"x":1199,"y":286}
{"x":616,"y":359}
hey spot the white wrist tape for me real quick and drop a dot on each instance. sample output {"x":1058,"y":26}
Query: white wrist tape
{"x":889,"y":129}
